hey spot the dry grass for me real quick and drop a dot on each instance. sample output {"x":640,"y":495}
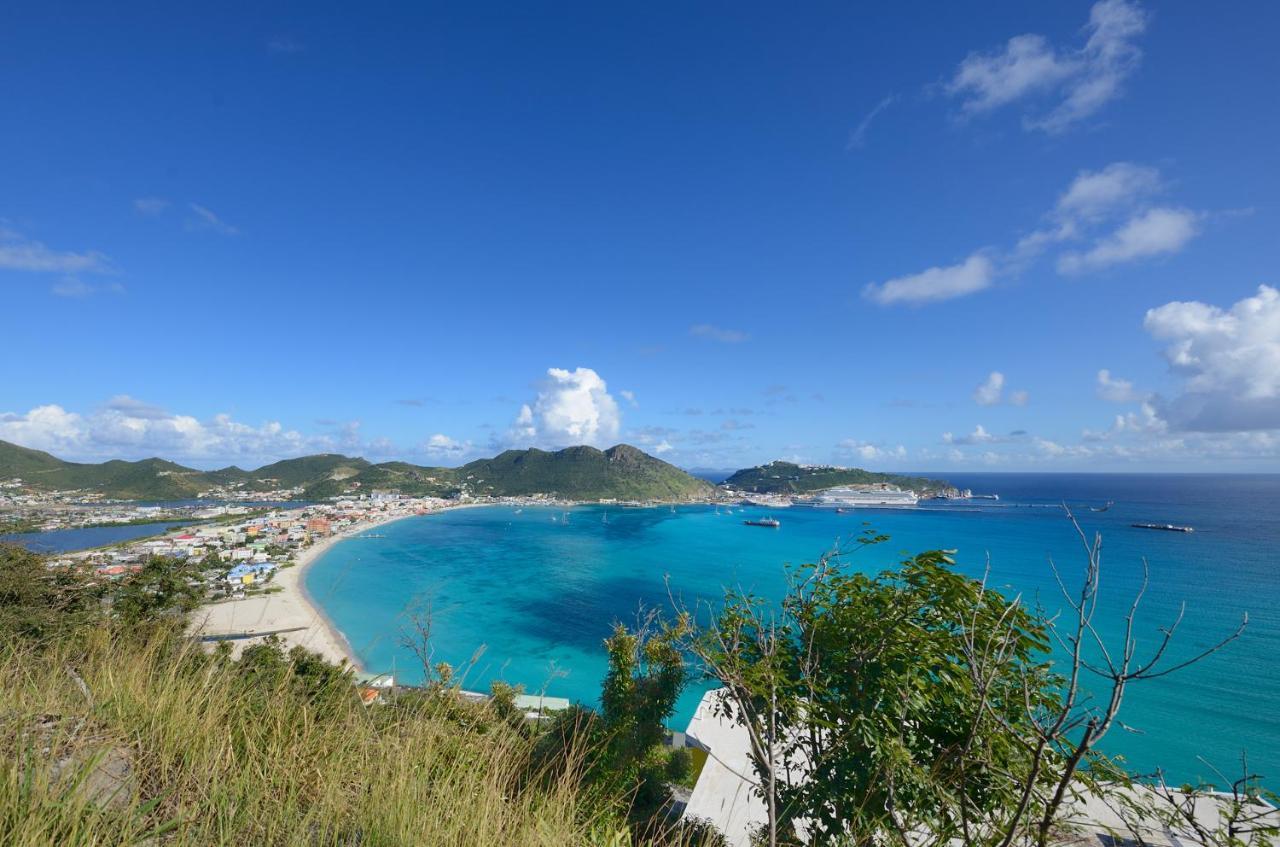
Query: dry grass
{"x":108,"y":740}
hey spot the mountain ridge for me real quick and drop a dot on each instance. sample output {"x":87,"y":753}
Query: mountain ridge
{"x":622,"y":472}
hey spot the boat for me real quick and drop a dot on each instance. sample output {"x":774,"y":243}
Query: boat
{"x":773,"y":523}
{"x":845,"y":497}
{"x":1167,"y":527}
{"x":984,"y":496}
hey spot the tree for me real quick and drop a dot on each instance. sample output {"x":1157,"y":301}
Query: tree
{"x":646,"y":675}
{"x":917,"y":707}
{"x":163,"y":586}
{"x":38,"y":601}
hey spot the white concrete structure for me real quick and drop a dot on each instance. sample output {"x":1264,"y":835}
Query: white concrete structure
{"x":725,"y":795}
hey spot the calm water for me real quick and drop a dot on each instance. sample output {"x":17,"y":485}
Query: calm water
{"x":540,"y":595}
{"x":66,"y":540}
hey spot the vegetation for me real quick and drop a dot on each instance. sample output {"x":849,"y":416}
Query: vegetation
{"x":621,"y":472}
{"x":788,"y":478}
{"x":916,"y":707}
{"x":115,"y":728}
{"x":919,"y":708}
{"x":583,"y":473}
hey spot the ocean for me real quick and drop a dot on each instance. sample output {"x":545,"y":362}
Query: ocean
{"x":539,"y":593}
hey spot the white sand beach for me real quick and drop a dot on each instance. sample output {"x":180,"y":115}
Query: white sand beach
{"x":290,"y":609}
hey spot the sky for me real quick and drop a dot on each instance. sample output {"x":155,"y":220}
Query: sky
{"x":909,"y":236}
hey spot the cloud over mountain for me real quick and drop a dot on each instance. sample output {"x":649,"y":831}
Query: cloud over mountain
{"x":572,"y":407}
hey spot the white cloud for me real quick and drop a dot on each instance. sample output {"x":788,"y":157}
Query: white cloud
{"x":715,"y":333}
{"x":19,"y":253}
{"x":978,"y":436}
{"x":127,"y":428}
{"x":1078,"y":82}
{"x":1019,"y":398}
{"x":150,"y":205}
{"x":858,"y":138}
{"x":990,"y":391}
{"x":206,"y":219}
{"x":1150,"y":233}
{"x":945,"y":283}
{"x":1093,"y":194}
{"x":441,"y":446}
{"x":1115,"y":389}
{"x":869,"y":452}
{"x":1118,"y":196}
{"x":661,"y":447}
{"x":630,"y":397}
{"x":1229,"y":360}
{"x":572,"y":407}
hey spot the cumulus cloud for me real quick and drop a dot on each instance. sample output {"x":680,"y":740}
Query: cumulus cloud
{"x":869,"y":452}
{"x":441,"y":446}
{"x":572,"y":407}
{"x":1073,"y":84}
{"x":978,"y":436}
{"x":941,"y":283}
{"x":19,"y":253}
{"x":1229,"y":360}
{"x":630,"y":397}
{"x":716,"y":333}
{"x":1114,"y":389}
{"x":204,"y":218}
{"x":989,"y":392}
{"x":1150,"y":233}
{"x":128,"y":428}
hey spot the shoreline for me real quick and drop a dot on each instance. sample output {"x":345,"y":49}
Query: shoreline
{"x":293,"y":608}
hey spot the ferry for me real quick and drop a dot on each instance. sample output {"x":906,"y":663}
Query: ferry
{"x":773,"y":523}
{"x":1167,"y":527}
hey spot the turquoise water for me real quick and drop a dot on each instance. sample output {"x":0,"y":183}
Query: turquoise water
{"x":540,"y":594}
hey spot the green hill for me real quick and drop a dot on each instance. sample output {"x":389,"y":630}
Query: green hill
{"x":579,"y":473}
{"x":787,"y":478}
{"x":585,"y":473}
{"x":149,"y":479}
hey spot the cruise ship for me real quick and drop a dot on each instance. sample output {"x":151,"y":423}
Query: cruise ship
{"x":846,"y":497}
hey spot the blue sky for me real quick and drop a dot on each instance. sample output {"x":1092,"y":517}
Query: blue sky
{"x":908,"y":237}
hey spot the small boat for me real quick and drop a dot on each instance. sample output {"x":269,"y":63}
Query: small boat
{"x":773,"y":523}
{"x":1108,"y":505}
{"x":1167,"y":527}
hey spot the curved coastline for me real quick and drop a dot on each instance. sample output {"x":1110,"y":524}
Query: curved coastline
{"x":291,"y":609}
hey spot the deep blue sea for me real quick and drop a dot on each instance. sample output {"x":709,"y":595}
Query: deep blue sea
{"x":539,"y":594}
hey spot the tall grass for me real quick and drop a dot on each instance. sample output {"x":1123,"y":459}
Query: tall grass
{"x":119,"y":740}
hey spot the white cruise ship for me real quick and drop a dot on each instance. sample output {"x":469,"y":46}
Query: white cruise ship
{"x":846,"y":497}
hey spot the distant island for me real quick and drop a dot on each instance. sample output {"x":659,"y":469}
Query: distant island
{"x":622,"y":473}
{"x":780,"y":477}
